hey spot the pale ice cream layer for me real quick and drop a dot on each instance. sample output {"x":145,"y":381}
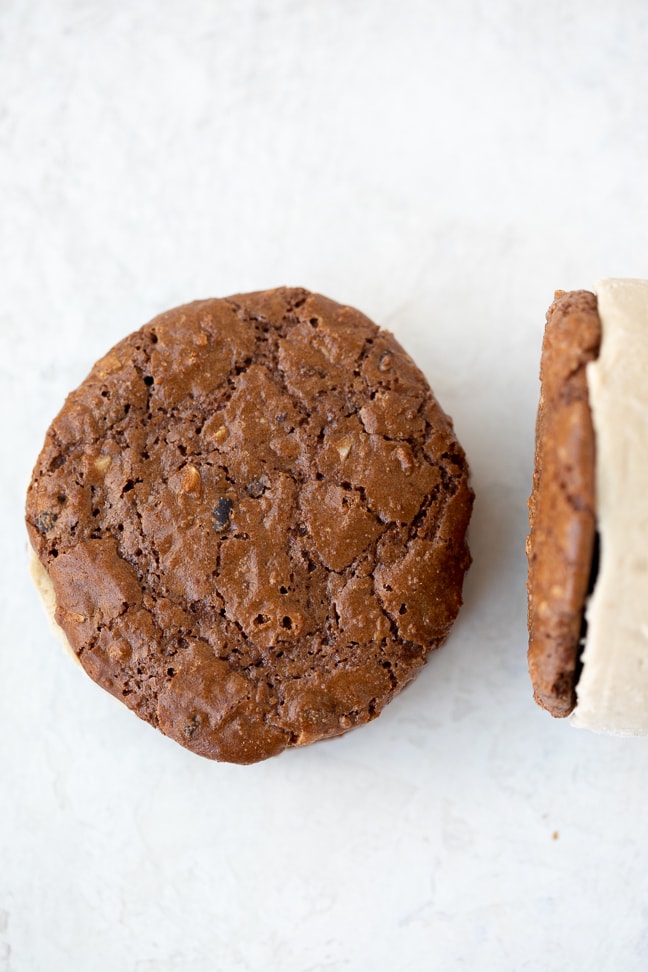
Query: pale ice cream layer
{"x":45,"y":588}
{"x":612,"y":692}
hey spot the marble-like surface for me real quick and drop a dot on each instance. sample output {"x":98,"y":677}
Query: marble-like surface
{"x":444,"y":167}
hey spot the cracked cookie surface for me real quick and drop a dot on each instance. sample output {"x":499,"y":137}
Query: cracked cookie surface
{"x":253,"y":513}
{"x":562,"y":512}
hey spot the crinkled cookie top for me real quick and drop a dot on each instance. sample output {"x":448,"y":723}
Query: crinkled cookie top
{"x":253,"y":513}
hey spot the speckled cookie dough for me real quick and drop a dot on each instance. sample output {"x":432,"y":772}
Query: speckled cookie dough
{"x":253,"y":515}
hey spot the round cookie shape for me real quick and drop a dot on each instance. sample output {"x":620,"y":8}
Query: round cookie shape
{"x":561,"y":546}
{"x":253,"y":515}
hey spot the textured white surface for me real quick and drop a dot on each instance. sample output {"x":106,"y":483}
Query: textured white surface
{"x":442,"y":166}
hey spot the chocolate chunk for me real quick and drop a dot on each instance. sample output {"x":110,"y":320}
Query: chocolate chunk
{"x":256,"y":488}
{"x":222,"y":513}
{"x":45,"y":521}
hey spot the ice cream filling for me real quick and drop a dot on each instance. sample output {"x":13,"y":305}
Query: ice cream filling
{"x":45,"y":588}
{"x":612,"y":692}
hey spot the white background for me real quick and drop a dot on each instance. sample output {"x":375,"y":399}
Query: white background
{"x":443,"y":166}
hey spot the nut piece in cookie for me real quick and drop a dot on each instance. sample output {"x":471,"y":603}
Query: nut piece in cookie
{"x":253,"y":516}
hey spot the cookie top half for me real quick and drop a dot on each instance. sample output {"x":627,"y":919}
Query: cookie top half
{"x":562,"y":511}
{"x":253,"y":515}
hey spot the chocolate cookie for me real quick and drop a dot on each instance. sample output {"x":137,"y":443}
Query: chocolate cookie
{"x":561,"y":542}
{"x":253,"y":515}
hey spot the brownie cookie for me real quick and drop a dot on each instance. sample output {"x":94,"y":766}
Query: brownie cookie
{"x":562,"y":515}
{"x":253,"y":515}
